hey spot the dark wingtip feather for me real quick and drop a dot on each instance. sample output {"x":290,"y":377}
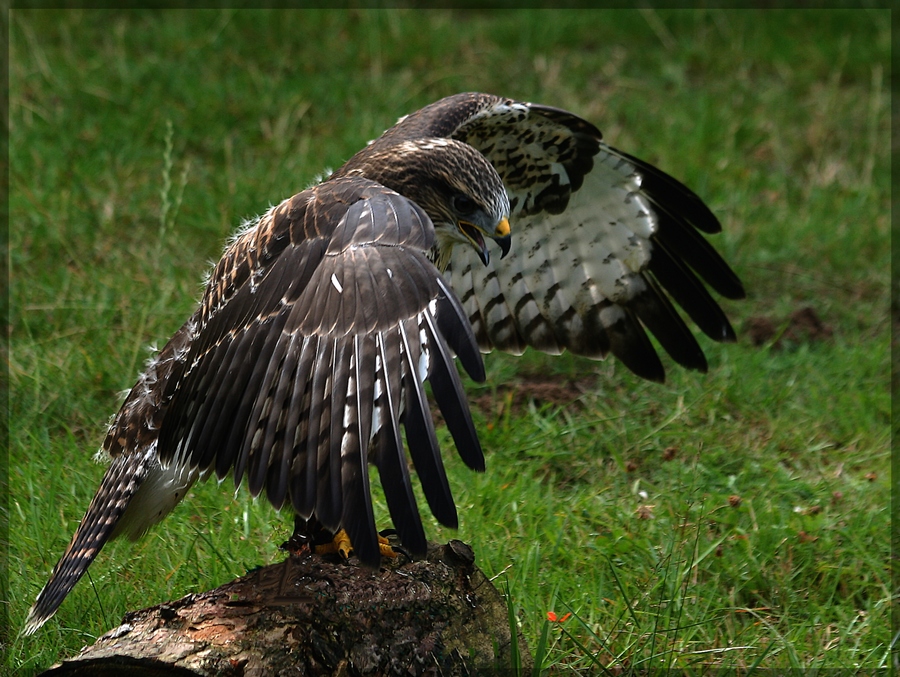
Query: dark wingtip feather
{"x":667,"y":190}
{"x":397,"y":489}
{"x":452,"y":402}
{"x":423,"y":444}
{"x":457,"y":330}
{"x":689,"y":293}
{"x":626,"y":339}
{"x":358,"y":518}
{"x":682,"y":213}
{"x":389,"y":456}
{"x":656,"y":312}
{"x":678,"y":235}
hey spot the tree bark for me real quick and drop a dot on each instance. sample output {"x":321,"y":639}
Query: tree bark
{"x":318,"y":615}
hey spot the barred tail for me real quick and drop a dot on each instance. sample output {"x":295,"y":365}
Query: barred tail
{"x":123,"y":477}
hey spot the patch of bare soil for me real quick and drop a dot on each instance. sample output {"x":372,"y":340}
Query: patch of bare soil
{"x":537,"y":390}
{"x":801,"y":326}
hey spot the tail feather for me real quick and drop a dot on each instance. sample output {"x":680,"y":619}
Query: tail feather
{"x":124,"y":476}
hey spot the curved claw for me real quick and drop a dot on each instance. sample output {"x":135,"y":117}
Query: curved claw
{"x":393,"y":549}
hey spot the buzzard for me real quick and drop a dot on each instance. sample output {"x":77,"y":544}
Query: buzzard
{"x":325,"y":316}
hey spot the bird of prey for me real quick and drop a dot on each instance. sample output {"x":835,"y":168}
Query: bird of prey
{"x":309,"y":350}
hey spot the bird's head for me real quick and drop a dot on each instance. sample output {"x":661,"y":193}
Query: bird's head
{"x":456,"y":186}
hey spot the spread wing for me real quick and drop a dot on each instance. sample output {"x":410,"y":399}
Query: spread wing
{"x":604,"y":245}
{"x":318,"y":329}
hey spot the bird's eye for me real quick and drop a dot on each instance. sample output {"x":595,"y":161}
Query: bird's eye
{"x":463,"y":204}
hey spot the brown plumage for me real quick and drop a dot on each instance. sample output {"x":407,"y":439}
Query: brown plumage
{"x":321,"y":322}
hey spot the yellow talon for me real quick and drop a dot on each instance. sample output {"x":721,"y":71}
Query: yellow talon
{"x":384,"y":547}
{"x":341,"y":544}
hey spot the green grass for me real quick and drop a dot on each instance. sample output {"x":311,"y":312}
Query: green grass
{"x":614,"y":504}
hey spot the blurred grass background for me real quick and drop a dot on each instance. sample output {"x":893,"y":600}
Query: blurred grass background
{"x":732,"y":520}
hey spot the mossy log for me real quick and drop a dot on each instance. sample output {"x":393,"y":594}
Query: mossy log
{"x":318,"y":615}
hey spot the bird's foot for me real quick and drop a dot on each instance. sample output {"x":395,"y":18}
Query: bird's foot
{"x":341,"y":544}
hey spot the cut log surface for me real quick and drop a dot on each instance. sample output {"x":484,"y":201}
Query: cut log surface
{"x":318,"y":615}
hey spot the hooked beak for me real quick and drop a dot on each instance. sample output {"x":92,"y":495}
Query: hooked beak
{"x":500,"y":235}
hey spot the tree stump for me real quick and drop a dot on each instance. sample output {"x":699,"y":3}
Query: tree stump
{"x":318,"y":615}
